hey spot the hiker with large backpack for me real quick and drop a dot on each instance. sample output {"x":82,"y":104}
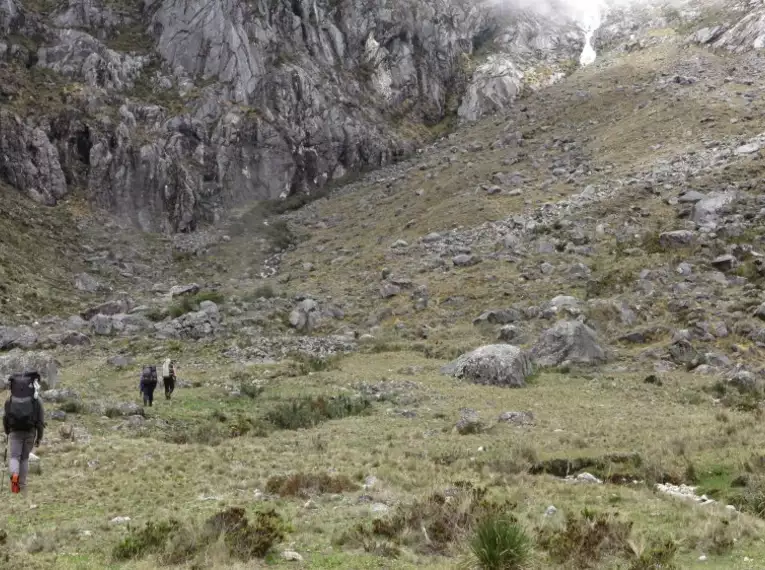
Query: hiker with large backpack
{"x":168,"y":377}
{"x":148,"y":384}
{"x":24,"y":424}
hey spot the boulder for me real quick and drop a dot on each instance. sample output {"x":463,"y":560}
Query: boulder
{"x":499,"y":317}
{"x":495,"y":364}
{"x":568,"y":341}
{"x":60,"y":395}
{"x":465,"y":260}
{"x":68,"y":338}
{"x":706,"y":212}
{"x":562,"y":304}
{"x":468,"y":423}
{"x":181,"y":290}
{"x":388,"y":290}
{"x":677,"y":239}
{"x":517,"y":418}
{"x":108,"y":308}
{"x":86,"y":283}
{"x":17,"y":337}
{"x":44,"y":363}
{"x":508,"y":333}
{"x":194,"y":325}
{"x":306,"y":315}
{"x":120,"y":361}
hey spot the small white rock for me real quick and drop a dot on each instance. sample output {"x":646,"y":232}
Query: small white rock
{"x":550,"y":511}
{"x":703,"y":558}
{"x":292,"y":556}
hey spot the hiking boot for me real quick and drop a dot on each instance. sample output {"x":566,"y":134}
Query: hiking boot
{"x":15,"y":487}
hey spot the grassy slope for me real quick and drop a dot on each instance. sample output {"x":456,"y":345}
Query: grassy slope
{"x":579,"y":414}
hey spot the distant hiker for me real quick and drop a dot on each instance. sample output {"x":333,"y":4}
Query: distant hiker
{"x":24,"y":424}
{"x":168,"y":377}
{"x":148,"y":384}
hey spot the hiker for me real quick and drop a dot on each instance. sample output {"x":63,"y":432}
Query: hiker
{"x":148,"y":384}
{"x":24,"y":423}
{"x":168,"y":377}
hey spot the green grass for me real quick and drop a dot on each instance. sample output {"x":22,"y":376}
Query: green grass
{"x":500,"y":544}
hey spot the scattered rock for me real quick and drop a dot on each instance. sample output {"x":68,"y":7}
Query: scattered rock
{"x":677,"y":239}
{"x":469,"y":423}
{"x":724,"y":262}
{"x":109,"y":308}
{"x":58,"y":415}
{"x":517,"y":418}
{"x":499,"y":317}
{"x":60,"y":395}
{"x":181,"y":290}
{"x":306,"y":316}
{"x":465,"y":260}
{"x":120,"y":361}
{"x":291,"y":556}
{"x":508,"y":333}
{"x":388,"y":290}
{"x":86,"y":283}
{"x":568,"y":341}
{"x":496,"y":364}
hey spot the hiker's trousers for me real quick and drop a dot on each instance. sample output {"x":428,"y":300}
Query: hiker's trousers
{"x":148,"y":393}
{"x":20,"y":444}
{"x":169,"y":383}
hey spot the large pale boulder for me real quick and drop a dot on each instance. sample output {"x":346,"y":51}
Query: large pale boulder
{"x":494,"y":364}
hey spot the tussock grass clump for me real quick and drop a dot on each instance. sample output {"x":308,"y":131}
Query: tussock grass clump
{"x":215,"y":429}
{"x":307,"y":412}
{"x":307,"y":484}
{"x":156,"y":314}
{"x":500,"y":543}
{"x":433,"y":525}
{"x":308,"y":363}
{"x":657,"y":557}
{"x":173,"y":543}
{"x":265,"y":291}
{"x":190,"y":303}
{"x":73,"y":406}
{"x":247,"y":384}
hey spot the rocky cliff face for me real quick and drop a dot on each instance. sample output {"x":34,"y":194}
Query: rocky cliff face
{"x":167,"y":112}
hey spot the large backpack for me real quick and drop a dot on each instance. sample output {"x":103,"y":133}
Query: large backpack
{"x":149,"y":375}
{"x":21,"y":408}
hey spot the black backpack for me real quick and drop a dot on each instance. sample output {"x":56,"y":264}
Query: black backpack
{"x":21,"y":407}
{"x":149,"y":375}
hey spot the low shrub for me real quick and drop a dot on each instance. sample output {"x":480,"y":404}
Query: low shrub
{"x":306,"y":484}
{"x":151,"y":539}
{"x":307,"y":412}
{"x":174,"y":544}
{"x":190,"y":303}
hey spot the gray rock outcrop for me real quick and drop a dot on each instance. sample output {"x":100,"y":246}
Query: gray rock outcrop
{"x":568,"y":342}
{"x":496,"y":365}
{"x":21,"y":361}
